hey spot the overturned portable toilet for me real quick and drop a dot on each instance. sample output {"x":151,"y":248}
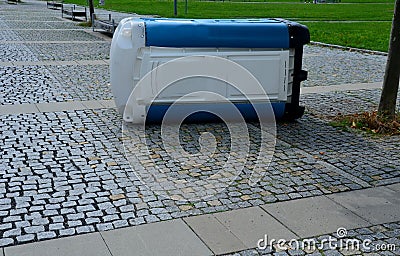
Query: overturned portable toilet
{"x":271,"y":49}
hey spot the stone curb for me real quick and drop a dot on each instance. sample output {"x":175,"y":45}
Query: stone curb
{"x":346,"y":48}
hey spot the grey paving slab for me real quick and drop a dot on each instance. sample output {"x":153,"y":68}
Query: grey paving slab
{"x":92,"y":104}
{"x":2,"y":252}
{"x":314,"y":216}
{"x":54,"y":63}
{"x":164,"y":238}
{"x":6,"y":64}
{"x":33,"y":63}
{"x":215,"y":235}
{"x":92,"y":62}
{"x":60,"y":106}
{"x":341,"y":87}
{"x":37,"y":63}
{"x":90,"y":244}
{"x":252,"y":224}
{"x":18,"y":109}
{"x":100,"y":35}
{"x":108,"y":103}
{"x":395,"y":187}
{"x":376,"y":205}
{"x":67,"y":62}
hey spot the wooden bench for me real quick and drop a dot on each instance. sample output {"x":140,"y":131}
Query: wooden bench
{"x":104,"y":22}
{"x":55,"y":5}
{"x":73,"y":12}
{"x":13,"y":1}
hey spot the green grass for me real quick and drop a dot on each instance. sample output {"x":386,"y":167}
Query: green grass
{"x":217,"y":9}
{"x":372,"y":33}
{"x":365,"y":35}
{"x":368,"y":1}
{"x":302,"y":1}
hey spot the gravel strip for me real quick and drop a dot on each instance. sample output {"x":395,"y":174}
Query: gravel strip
{"x":328,"y":66}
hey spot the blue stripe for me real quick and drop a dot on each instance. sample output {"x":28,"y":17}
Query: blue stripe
{"x":156,"y":113}
{"x":240,"y":33}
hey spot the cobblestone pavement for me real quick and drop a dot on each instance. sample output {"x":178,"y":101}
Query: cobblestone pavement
{"x":65,"y":173}
{"x":347,"y":102}
{"x":70,"y":51}
{"x":382,"y":237}
{"x":89,"y":82}
{"x":19,"y":25}
{"x":50,"y":35}
{"x":332,"y":66}
{"x":34,"y":85}
{"x":16,"y":52}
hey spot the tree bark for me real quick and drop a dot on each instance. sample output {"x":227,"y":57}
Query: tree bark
{"x":175,"y":7}
{"x":387,"y":104}
{"x":91,"y":10}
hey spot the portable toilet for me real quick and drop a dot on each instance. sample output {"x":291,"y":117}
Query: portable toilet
{"x":270,"y":49}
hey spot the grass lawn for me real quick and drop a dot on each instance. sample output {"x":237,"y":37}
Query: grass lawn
{"x":371,"y":31}
{"x":365,"y":35}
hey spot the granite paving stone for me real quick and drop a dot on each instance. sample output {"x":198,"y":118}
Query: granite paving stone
{"x":30,"y":84}
{"x":71,"y":51}
{"x":89,"y":82}
{"x":252,"y":224}
{"x":57,"y":24}
{"x":217,"y":237}
{"x":377,"y":206}
{"x":16,"y":52}
{"x":56,"y":35}
{"x":346,"y":150}
{"x":324,"y":218}
{"x":334,"y":66}
{"x":22,"y":16}
{"x":183,"y":241}
{"x":66,"y":172}
{"x":77,"y":245}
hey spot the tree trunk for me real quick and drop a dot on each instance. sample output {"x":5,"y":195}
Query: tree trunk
{"x":175,"y":7}
{"x":91,"y":10}
{"x":387,"y":104}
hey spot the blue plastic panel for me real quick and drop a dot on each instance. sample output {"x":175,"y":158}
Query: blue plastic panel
{"x":239,"y":33}
{"x":156,"y":113}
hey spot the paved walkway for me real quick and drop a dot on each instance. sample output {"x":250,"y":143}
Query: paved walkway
{"x":67,"y":186}
{"x":237,"y":230}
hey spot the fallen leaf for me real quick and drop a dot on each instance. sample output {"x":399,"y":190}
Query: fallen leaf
{"x":117,"y":197}
{"x":111,"y":164}
{"x":185,"y":207}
